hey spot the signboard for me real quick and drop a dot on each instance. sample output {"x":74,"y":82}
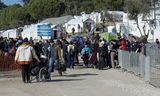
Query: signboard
{"x":44,"y":30}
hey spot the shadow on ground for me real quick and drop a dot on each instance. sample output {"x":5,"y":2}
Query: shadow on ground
{"x":58,"y":80}
{"x":78,"y":75}
{"x":64,"y":80}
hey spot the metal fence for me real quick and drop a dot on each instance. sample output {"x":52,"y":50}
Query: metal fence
{"x":154,"y":54}
{"x":139,"y":64}
{"x":133,"y":62}
{"x":7,"y":62}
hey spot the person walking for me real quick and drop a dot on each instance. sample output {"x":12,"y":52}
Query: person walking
{"x":58,"y":56}
{"x":51,"y":58}
{"x":65,"y":52}
{"x":75,"y":53}
{"x":70,"y":55}
{"x":73,"y":31}
{"x":24,"y":56}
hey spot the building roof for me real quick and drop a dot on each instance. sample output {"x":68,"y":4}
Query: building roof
{"x":58,"y":20}
{"x":89,"y":21}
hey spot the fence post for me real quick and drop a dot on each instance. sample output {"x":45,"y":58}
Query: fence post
{"x":120,"y":58}
{"x":142,"y":65}
{"x":147,"y":69}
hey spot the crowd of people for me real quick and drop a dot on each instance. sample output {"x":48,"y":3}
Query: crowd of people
{"x":94,"y":51}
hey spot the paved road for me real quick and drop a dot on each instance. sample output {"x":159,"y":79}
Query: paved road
{"x":81,"y":82}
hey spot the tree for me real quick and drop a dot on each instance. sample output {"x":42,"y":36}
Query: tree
{"x":2,"y":5}
{"x":40,"y":9}
{"x":25,"y":1}
{"x":13,"y":16}
{"x":35,"y":10}
{"x":100,"y":4}
{"x":115,"y":5}
{"x":75,"y":7}
{"x":136,"y":8}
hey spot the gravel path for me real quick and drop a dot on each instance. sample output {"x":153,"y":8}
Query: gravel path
{"x":81,"y":82}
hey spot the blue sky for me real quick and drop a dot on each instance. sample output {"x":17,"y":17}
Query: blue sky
{"x":10,"y":2}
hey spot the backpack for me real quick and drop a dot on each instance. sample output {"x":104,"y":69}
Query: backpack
{"x":71,"y":52}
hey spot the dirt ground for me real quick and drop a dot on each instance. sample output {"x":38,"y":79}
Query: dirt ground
{"x":81,"y":82}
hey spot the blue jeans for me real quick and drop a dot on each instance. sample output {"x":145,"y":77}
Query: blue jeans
{"x":50,"y":66}
{"x":70,"y":61}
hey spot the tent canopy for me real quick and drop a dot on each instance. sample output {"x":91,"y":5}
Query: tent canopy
{"x":58,"y":20}
{"x":109,"y":36}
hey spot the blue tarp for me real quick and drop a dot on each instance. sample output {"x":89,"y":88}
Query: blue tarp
{"x":78,"y":38}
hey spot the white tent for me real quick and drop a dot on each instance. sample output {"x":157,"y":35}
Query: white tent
{"x":74,"y":23}
{"x":57,"y":20}
{"x":78,"y":17}
{"x":12,"y":33}
{"x":85,"y":16}
{"x":96,"y":17}
{"x":30,"y":31}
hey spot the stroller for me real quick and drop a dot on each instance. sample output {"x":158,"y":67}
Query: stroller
{"x":40,"y":70}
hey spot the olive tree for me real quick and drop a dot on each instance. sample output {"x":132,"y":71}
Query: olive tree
{"x":136,"y":8}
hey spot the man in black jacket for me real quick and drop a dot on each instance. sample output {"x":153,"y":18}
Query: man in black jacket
{"x":103,"y":56}
{"x":65,"y":52}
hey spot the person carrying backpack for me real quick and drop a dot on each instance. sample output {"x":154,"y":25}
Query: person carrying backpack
{"x":70,"y":55}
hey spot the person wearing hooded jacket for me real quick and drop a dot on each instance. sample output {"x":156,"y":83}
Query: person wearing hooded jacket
{"x":24,"y":56}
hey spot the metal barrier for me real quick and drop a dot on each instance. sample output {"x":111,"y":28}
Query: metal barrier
{"x":7,"y":62}
{"x":132,"y":62}
{"x":154,"y":54}
{"x":147,"y":67}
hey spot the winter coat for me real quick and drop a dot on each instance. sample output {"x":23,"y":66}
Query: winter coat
{"x":25,"y":54}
